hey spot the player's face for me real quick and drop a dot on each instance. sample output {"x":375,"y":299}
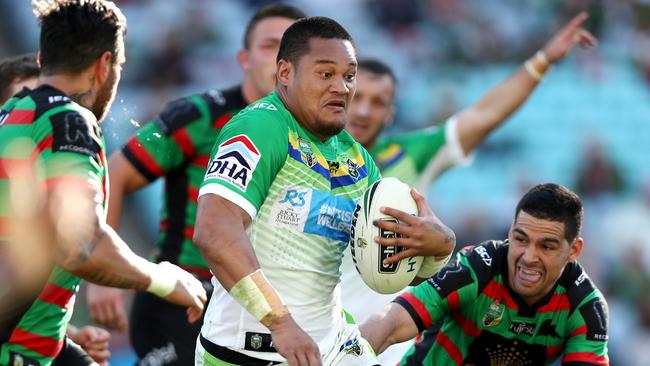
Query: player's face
{"x":537,"y":255}
{"x":322,"y":86}
{"x":372,"y":108}
{"x":259,"y":61}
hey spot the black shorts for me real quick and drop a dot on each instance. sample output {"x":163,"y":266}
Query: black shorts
{"x":72,"y":355}
{"x":160,"y":333}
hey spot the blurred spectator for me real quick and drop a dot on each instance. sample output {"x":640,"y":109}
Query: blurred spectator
{"x":598,"y":174}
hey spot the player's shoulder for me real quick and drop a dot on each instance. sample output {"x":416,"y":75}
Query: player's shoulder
{"x":75,"y":129}
{"x":485,"y":259}
{"x":579,"y":286}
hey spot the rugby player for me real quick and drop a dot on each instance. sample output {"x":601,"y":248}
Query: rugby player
{"x":176,"y":145}
{"x":53,"y":187}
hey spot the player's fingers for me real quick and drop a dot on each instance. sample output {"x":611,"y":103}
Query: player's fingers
{"x":313,"y":358}
{"x":421,"y":202}
{"x":97,"y":313}
{"x":399,"y":228}
{"x":291,"y":359}
{"x":399,"y":256}
{"x":586,"y":39}
{"x":99,"y":355}
{"x":395,"y":242}
{"x":301,"y":358}
{"x":194,"y":313}
{"x":398,"y":214}
{"x":576,"y":22}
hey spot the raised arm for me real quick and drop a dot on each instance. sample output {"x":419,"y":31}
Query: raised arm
{"x":478,"y":120}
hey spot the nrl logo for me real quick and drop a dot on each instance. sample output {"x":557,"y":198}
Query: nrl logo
{"x":306,"y":153}
{"x":494,"y":314}
{"x":256,"y":341}
{"x":353,"y":168}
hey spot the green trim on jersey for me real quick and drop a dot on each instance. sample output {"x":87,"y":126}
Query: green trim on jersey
{"x":405,"y":156}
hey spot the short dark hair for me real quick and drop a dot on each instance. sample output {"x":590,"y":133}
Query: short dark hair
{"x":295,"y":40}
{"x":280,"y":10}
{"x":376,"y":67}
{"x":550,"y":201}
{"x":15,"y":69}
{"x":74,"y":33}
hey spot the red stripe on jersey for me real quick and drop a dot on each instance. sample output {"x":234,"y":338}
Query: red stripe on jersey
{"x":189,"y":232}
{"x":454,"y":301}
{"x":201,"y":272}
{"x":4,"y":226}
{"x":20,"y":117}
{"x":558,"y":302}
{"x":244,"y":140}
{"x":469,"y":328}
{"x":498,"y":292}
{"x":553,"y":351}
{"x":193,"y":194}
{"x":450,"y":348}
{"x":53,"y":294}
{"x":419,"y":308}
{"x":44,"y":346}
{"x":221,"y":121}
{"x":579,"y":331}
{"x":45,"y":143}
{"x":184,"y":141}
{"x":587,"y":357}
{"x":201,"y":161}
{"x":144,"y":157}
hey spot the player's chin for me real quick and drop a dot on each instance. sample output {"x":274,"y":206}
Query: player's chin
{"x":332,"y":125}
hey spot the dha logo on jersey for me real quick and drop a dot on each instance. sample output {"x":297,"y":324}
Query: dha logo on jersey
{"x":235,"y":161}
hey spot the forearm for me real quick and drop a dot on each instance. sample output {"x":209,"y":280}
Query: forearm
{"x":389,"y":326}
{"x":106,"y":260}
{"x":124,"y":179}
{"x":477,"y":121}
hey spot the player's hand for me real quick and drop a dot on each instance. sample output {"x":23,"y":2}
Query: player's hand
{"x":107,"y":307}
{"x":188,"y":292}
{"x":422,"y":235}
{"x":566,"y":38}
{"x":293,"y":343}
{"x":94,"y":341}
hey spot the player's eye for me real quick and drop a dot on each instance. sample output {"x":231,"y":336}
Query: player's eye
{"x":350,"y":77}
{"x":326,"y":74}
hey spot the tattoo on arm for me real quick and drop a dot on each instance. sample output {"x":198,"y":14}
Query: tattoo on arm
{"x":449,"y":236}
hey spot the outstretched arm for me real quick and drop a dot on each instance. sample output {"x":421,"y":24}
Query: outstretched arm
{"x":477,"y":121}
{"x":391,"y":325}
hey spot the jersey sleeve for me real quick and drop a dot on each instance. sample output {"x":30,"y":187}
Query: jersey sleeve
{"x":454,"y":286}
{"x":587,"y":343}
{"x":166,"y":142}
{"x":373,"y":171}
{"x":245,"y":159}
{"x":75,"y":158}
{"x":429,"y":144}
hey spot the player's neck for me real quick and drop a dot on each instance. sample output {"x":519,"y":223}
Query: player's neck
{"x":79,"y":88}
{"x":249,"y":91}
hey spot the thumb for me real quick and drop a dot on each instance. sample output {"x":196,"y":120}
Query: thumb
{"x":421,"y":203}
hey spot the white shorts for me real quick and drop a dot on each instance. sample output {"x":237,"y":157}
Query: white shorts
{"x":348,"y":349}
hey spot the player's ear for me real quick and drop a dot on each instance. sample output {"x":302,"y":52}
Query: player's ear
{"x":285,"y":69}
{"x":390,"y":116}
{"x":576,"y":249}
{"x":242,"y":58}
{"x":103,"y":66}
{"x":38,"y":59}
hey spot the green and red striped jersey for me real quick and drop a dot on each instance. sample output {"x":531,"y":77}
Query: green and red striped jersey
{"x":486,"y":323}
{"x":176,"y":145}
{"x":63,"y":144}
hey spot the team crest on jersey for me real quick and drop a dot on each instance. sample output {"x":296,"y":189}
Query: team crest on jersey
{"x":235,"y":161}
{"x":307,"y":153}
{"x":353,"y":168}
{"x":494,"y":314}
{"x":352,"y":347}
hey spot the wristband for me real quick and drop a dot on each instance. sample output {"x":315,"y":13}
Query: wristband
{"x":541,"y":57}
{"x":430,"y":266}
{"x":162,"y":282}
{"x":533,"y":71}
{"x":259,"y":298}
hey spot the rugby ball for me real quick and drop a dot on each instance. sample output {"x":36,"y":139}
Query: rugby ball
{"x":367,"y":254}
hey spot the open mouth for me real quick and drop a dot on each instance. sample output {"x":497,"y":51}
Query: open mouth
{"x":336,"y":104}
{"x":528,"y":276}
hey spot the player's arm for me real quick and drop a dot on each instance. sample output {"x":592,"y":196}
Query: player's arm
{"x":477,"y":121}
{"x":587,"y":343}
{"x":423,"y":235}
{"x":391,"y":325}
{"x":149,"y":154}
